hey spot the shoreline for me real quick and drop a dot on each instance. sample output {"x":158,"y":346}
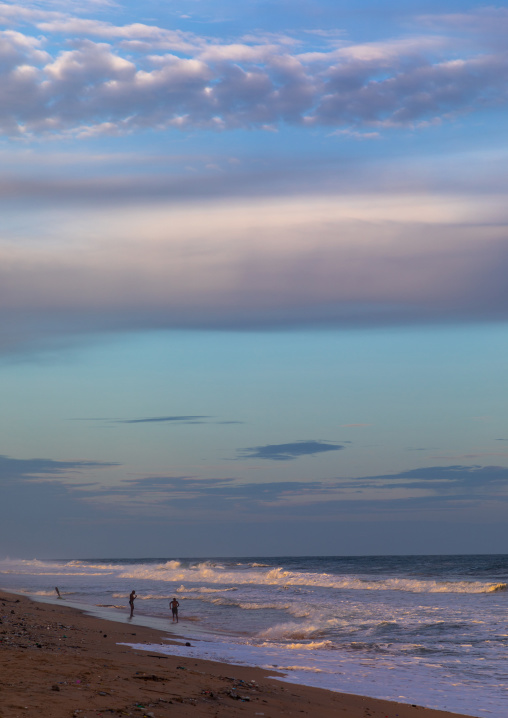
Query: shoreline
{"x":104,"y":612}
{"x":66,"y":662}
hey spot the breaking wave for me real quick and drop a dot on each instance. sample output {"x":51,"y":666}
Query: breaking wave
{"x":295,"y":631}
{"x":203,"y":589}
{"x":307,"y":669}
{"x":220,"y":579}
{"x":497,"y":587}
{"x":207,"y":573}
{"x":312,"y":646}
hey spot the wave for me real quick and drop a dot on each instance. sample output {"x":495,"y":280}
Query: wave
{"x":144,"y":597}
{"x":205,"y":597}
{"x":203,"y":589}
{"x":309,"y":669}
{"x":246,"y":605}
{"x":35,"y":567}
{"x":497,"y":587}
{"x":108,"y":605}
{"x":251,"y":606}
{"x":53,"y":573}
{"x":206,"y":572}
{"x":298,"y":631}
{"x":312,"y":646}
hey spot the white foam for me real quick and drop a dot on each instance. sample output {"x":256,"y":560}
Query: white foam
{"x":286,"y":631}
{"x":203,"y":589}
{"x":312,"y":646}
{"x":308,"y":669}
{"x":207,"y":573}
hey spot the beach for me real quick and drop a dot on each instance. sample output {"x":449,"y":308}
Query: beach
{"x":58,"y":661}
{"x":427,"y":631}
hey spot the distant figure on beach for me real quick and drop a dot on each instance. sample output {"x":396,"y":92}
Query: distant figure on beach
{"x":174,"y":609}
{"x":131,"y":601}
{"x":57,"y":592}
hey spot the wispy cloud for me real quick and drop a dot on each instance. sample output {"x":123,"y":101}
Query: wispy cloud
{"x":12,"y":470}
{"x":164,"y":419}
{"x":178,"y":419}
{"x":427,"y":491}
{"x":446,"y":478}
{"x":338,"y":262}
{"x":415,"y":492}
{"x":178,"y":483}
{"x":472,"y":456}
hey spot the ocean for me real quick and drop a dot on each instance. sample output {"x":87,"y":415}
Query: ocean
{"x":426,"y":630}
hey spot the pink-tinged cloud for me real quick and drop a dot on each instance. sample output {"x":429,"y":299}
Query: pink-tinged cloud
{"x":299,"y":262}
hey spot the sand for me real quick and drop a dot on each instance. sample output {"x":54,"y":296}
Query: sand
{"x":57,"y":662}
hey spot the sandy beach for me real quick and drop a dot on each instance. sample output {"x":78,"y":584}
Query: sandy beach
{"x":58,"y":662}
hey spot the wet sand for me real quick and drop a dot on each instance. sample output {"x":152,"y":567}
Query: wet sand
{"x":58,"y":662}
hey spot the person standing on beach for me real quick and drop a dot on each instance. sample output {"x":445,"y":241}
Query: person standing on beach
{"x":174,"y":609}
{"x":131,"y":601}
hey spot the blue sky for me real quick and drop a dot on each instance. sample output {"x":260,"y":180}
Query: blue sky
{"x":252,"y":278}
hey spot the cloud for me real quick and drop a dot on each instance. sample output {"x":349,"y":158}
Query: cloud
{"x":43,"y":501}
{"x":281,"y":244}
{"x":163,"y":419}
{"x":149,"y":37}
{"x":193,"y":496}
{"x":14,"y":470}
{"x":38,"y":491}
{"x":447,"y":479}
{"x":288,"y":452}
{"x":183,"y":419}
{"x":178,"y":483}
{"x":193,"y":82}
{"x":425,"y":492}
{"x":489,"y":24}
{"x":344,"y":260}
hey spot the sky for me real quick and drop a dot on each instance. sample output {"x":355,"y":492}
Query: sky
{"x":253,"y":262}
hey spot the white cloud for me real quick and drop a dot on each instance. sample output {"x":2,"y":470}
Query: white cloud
{"x":147,"y":76}
{"x":152,"y":35}
{"x":356,"y":135}
{"x":92,"y":62}
{"x":17,"y":48}
{"x":10,"y":14}
{"x":481,"y":20}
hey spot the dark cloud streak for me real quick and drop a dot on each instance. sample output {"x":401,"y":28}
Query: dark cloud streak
{"x":190,"y":419}
{"x":163,"y":419}
{"x":288,"y":452}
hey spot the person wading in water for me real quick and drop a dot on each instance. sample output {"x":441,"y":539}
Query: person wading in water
{"x":131,"y":601}
{"x":174,"y":609}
